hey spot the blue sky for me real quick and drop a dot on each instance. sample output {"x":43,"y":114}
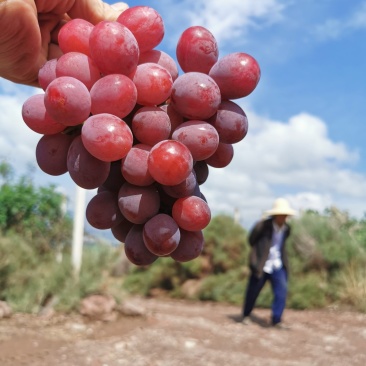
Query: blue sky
{"x":306,"y":117}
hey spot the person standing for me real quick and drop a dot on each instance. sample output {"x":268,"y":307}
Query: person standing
{"x":268,"y":260}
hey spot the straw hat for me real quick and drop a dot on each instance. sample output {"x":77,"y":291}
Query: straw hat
{"x":280,"y":207}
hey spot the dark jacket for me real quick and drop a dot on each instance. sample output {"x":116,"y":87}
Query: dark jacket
{"x":260,"y":240}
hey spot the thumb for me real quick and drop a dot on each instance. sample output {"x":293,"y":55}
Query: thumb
{"x":95,"y":11}
{"x":120,"y":7}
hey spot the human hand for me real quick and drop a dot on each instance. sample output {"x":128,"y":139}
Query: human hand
{"x":29,"y":29}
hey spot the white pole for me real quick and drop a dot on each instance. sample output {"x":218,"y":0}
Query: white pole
{"x":236,"y":215}
{"x":78,"y":230}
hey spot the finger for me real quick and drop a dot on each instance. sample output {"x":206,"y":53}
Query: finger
{"x":54,"y":51}
{"x":120,"y":7}
{"x":95,"y":11}
{"x":20,"y":42}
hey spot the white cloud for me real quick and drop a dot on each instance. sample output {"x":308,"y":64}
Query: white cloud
{"x":225,"y":20}
{"x":17,"y":141}
{"x":232,"y":18}
{"x":335,"y":28}
{"x":295,"y":159}
{"x":358,"y":18}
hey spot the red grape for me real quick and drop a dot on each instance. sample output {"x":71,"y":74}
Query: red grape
{"x":51,"y":153}
{"x":135,"y":248}
{"x":183,"y":189}
{"x":106,"y":137}
{"x":102,"y":211}
{"x":74,"y":36}
{"x":115,"y":94}
{"x":200,"y":137}
{"x":195,"y":95}
{"x":222,"y":156}
{"x":201,"y":170}
{"x":47,"y":73}
{"x":230,"y":122}
{"x":236,"y":74}
{"x":37,"y":118}
{"x":153,"y":83}
{"x":85,"y":170}
{"x":68,"y":101}
{"x":191,"y":213}
{"x":190,"y":246}
{"x":161,"y":58}
{"x":110,"y":43}
{"x":161,"y":234}
{"x":134,"y":166}
{"x":170,"y":162}
{"x":197,"y":50}
{"x":78,"y":66}
{"x":138,"y":204}
{"x":118,"y":118}
{"x":151,"y":125}
{"x":146,"y":24}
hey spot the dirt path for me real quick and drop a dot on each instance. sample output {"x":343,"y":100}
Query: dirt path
{"x":180,"y":333}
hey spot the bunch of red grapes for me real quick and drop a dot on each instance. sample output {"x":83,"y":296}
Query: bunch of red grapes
{"x":117,"y":117}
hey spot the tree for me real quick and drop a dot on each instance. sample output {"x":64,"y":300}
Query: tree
{"x":36,"y":213}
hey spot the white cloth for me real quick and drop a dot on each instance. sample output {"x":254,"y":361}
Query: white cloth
{"x":274,"y":260}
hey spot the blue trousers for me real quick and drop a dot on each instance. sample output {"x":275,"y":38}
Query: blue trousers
{"x":278,"y":280}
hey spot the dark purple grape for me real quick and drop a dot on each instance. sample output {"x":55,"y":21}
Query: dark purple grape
{"x":102,"y":211}
{"x":85,"y":170}
{"x":161,"y":234}
{"x":51,"y":153}
{"x":190,"y":246}
{"x":138,"y":204}
{"x":135,"y":248}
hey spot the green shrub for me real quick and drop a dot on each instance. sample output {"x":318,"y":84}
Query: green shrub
{"x":308,"y":291}
{"x":28,"y":278}
{"x":323,"y":242}
{"x":225,"y":287}
{"x":353,"y":285}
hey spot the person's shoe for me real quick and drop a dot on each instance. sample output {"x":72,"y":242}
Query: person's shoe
{"x":246,"y":320}
{"x":281,"y":326}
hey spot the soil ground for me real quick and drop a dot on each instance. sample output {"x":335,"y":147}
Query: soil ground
{"x":181,"y":333}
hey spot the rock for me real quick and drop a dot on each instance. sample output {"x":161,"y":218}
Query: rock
{"x":98,"y":307}
{"x":5,"y":310}
{"x":191,"y":288}
{"x":128,"y":308}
